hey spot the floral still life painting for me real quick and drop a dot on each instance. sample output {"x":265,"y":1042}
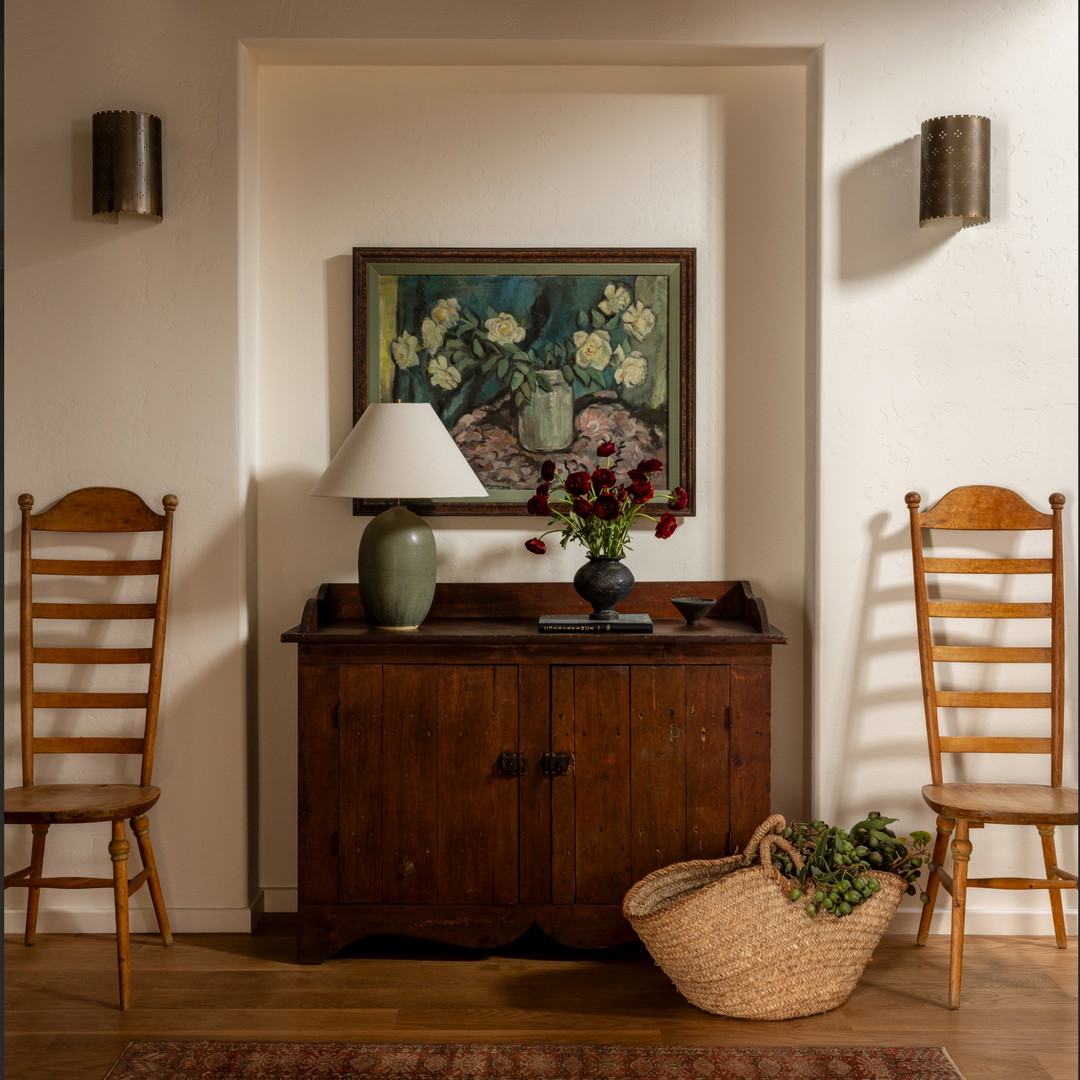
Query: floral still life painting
{"x":528,"y":353}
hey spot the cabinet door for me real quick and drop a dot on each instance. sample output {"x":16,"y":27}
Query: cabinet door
{"x":649,"y":781}
{"x":425,"y":816}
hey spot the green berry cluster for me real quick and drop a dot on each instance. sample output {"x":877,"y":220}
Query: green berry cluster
{"x":836,"y":873}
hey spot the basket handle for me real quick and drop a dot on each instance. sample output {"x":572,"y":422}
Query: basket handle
{"x":766,"y":837}
{"x":774,"y":824}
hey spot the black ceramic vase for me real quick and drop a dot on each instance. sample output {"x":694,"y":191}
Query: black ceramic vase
{"x":603,"y":581}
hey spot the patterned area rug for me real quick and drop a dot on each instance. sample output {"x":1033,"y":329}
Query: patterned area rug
{"x":494,"y":1061}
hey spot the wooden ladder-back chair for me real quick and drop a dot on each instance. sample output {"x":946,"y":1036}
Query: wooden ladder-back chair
{"x":961,"y":807}
{"x":94,"y":510}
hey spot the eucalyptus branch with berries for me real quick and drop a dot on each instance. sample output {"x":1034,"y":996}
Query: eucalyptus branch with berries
{"x":593,"y":509}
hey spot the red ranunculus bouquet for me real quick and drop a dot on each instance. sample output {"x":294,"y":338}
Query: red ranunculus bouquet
{"x":595,"y":510}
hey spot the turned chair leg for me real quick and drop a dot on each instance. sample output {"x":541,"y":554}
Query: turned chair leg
{"x":118,"y":852}
{"x":961,"y":854}
{"x":141,"y":827}
{"x":933,"y":881}
{"x":33,"y":895}
{"x":1049,"y":850}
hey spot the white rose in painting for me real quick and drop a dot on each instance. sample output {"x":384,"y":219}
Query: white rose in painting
{"x":593,"y":350}
{"x":443,"y":374}
{"x":446,"y":313}
{"x":432,"y":334}
{"x":503,"y":329}
{"x":630,"y":370}
{"x":403,"y":350}
{"x":616,"y":299}
{"x":639,"y":321}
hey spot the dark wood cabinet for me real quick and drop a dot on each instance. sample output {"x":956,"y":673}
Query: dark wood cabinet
{"x":466,"y":780}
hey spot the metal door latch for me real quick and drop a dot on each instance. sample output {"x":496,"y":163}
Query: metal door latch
{"x":512,"y":764}
{"x":555,"y":763}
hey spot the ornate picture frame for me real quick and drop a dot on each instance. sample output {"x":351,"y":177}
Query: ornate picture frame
{"x":532,"y":354}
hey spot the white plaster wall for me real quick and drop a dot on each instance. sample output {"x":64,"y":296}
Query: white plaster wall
{"x":133,"y":352}
{"x":121,"y":369}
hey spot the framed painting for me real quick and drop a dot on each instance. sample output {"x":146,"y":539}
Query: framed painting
{"x":533,"y":354}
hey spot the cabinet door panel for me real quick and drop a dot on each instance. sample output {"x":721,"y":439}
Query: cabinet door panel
{"x":360,"y":767}
{"x":658,"y":780}
{"x":317,"y":826}
{"x":410,"y":785}
{"x":650,"y":783}
{"x":601,"y":783}
{"x":478,"y":808}
{"x":708,"y":768}
{"x":425,"y":817}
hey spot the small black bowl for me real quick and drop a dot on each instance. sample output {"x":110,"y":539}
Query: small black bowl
{"x":692,"y":608}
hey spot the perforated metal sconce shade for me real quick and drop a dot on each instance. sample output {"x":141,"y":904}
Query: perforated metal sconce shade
{"x":127,"y":163}
{"x":955,"y":173}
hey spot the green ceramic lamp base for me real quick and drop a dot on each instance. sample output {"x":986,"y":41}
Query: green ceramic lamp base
{"x":397,"y":565}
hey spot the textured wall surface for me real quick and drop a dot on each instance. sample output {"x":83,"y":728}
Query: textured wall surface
{"x":208,"y":355}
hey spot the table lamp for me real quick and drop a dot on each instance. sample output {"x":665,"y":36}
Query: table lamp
{"x":398,"y":450}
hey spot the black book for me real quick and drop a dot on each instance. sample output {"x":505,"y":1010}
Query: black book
{"x":582,"y":624}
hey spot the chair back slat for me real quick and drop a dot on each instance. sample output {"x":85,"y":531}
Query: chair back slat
{"x":991,"y":699}
{"x":94,"y":510}
{"x":987,"y":566}
{"x":981,"y":507}
{"x":86,"y":744}
{"x":987,"y":744}
{"x":100,"y":510}
{"x":94,"y":611}
{"x":87,"y":699}
{"x":991,"y":654}
{"x":958,"y":609}
{"x":984,"y":510}
{"x":96,"y":567}
{"x":91,"y":656}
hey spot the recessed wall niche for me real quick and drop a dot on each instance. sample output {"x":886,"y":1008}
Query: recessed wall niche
{"x":645,"y":153}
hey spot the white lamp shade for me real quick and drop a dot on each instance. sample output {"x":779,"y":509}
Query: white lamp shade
{"x":399,"y":450}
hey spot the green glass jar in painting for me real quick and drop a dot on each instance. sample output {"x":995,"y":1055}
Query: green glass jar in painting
{"x":546,"y":417}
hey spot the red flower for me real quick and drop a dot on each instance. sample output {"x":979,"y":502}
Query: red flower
{"x":578,"y":483}
{"x":596,"y":509}
{"x":606,"y":507}
{"x":667,"y":524}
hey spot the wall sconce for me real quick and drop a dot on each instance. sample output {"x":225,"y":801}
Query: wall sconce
{"x":955,"y":173}
{"x":127,"y":163}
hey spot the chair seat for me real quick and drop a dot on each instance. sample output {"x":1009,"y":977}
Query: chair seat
{"x":1004,"y":804}
{"x":55,"y":804}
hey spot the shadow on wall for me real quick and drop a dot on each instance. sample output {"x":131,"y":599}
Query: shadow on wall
{"x":882,"y":757}
{"x":879,"y":215}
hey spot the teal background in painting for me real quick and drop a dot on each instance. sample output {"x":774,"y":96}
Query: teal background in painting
{"x":545,"y":298}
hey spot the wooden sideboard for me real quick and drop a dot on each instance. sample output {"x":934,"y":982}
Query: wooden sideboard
{"x":469,"y":779}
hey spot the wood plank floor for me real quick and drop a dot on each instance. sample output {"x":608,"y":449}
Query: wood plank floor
{"x":1018,"y":1019}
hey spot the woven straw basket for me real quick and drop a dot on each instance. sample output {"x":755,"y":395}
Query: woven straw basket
{"x":727,"y":935}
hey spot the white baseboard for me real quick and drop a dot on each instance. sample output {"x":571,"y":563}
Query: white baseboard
{"x":88,"y":920}
{"x":990,"y":923}
{"x":91,"y":920}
